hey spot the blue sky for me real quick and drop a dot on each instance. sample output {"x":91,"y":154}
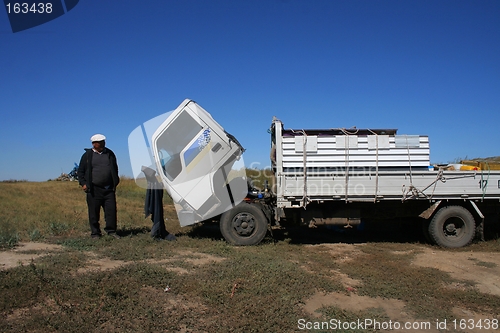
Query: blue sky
{"x":424,"y":67}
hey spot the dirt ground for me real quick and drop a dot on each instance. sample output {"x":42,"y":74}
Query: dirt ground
{"x":480,"y":267}
{"x":21,"y":254}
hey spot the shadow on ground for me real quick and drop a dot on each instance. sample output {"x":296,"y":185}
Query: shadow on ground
{"x":392,"y":231}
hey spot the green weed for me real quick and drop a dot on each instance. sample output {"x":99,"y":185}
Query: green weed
{"x":9,"y":236}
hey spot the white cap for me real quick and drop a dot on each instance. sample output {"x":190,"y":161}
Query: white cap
{"x":97,"y":137}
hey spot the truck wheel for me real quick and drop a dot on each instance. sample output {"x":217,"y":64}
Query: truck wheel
{"x":245,"y":224}
{"x":452,"y":226}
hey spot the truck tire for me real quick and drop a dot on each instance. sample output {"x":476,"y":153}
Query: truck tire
{"x":245,"y":224}
{"x":452,"y":227}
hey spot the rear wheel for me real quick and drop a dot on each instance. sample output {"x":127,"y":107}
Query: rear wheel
{"x":452,"y":226}
{"x":245,"y":224}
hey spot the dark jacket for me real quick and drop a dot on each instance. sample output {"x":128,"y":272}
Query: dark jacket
{"x":85,"y":169}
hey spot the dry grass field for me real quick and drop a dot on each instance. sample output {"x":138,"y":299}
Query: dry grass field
{"x":55,"y":278}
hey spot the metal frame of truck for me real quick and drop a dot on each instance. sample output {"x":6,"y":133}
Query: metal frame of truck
{"x":342,"y":177}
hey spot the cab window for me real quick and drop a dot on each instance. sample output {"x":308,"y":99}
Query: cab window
{"x":171,"y":143}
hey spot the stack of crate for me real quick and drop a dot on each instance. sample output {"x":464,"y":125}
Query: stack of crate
{"x":354,"y":148}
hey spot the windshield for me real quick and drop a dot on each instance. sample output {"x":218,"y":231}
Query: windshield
{"x":173,"y":140}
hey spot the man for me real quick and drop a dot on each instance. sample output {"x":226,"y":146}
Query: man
{"x":98,"y":176}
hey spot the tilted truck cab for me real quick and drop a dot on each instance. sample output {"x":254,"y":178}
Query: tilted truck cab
{"x":200,"y":165}
{"x":195,"y":157}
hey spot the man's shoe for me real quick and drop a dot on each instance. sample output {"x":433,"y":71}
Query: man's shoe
{"x":114,"y":235}
{"x":95,"y":236}
{"x":170,"y":237}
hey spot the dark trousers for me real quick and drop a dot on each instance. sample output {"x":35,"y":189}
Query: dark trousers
{"x":154,"y":206}
{"x":106,"y":199}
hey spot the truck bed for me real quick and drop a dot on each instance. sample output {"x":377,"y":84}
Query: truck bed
{"x":368,"y":185}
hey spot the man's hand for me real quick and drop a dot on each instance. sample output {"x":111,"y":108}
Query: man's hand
{"x":84,"y":187}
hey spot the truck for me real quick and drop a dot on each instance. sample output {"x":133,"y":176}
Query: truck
{"x":320,"y":177}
